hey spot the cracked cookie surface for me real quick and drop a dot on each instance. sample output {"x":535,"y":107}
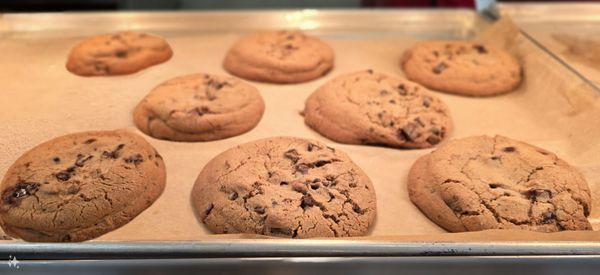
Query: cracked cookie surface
{"x":199,"y":107}
{"x":462,"y":67}
{"x":79,"y":186}
{"x":483,"y":182}
{"x":286,"y":187}
{"x":285,"y":56}
{"x":117,"y":54}
{"x":373,"y":108}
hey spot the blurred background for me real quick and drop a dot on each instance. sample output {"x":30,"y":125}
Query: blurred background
{"x":82,"y":5}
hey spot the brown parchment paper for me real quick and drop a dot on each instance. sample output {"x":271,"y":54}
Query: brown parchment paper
{"x":40,"y":100}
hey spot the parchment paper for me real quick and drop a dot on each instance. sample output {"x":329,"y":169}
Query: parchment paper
{"x":40,"y":100}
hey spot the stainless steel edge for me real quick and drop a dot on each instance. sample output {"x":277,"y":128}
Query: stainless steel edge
{"x":407,"y":21}
{"x":455,"y":265}
{"x":287,"y":248}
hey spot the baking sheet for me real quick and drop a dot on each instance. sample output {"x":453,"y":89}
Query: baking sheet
{"x":39,"y":100}
{"x":571,"y":31}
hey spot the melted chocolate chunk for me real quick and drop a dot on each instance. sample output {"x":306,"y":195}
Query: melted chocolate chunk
{"x":439,"y":68}
{"x":408,"y":132}
{"x":536,"y":194}
{"x":292,"y":155}
{"x":135,"y":159}
{"x":509,"y":149}
{"x":480,"y":49}
{"x":121,"y":54}
{"x":312,"y":147}
{"x":56,"y":159}
{"x":402,"y":89}
{"x":202,"y":110}
{"x":63,"y":175}
{"x":114,"y":153}
{"x":13,"y":195}
{"x":302,"y":168}
{"x":81,"y":159}
{"x":427,"y":101}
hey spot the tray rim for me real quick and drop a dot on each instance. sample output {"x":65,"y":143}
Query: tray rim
{"x":260,"y":247}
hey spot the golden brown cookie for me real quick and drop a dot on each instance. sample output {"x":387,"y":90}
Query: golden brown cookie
{"x":117,"y":54}
{"x":369,"y":107}
{"x":279,"y":57}
{"x":287,"y":187}
{"x":199,"y":107}
{"x":482,"y":182}
{"x":462,"y":67}
{"x":79,"y":186}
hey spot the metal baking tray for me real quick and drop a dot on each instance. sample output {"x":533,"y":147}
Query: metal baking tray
{"x":417,"y":23}
{"x":569,"y":31}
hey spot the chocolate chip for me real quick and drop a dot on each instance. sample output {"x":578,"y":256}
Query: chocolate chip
{"x":439,"y":68}
{"x":89,"y":141}
{"x":495,"y":157}
{"x":63,"y":175}
{"x":357,"y":209}
{"x":402,"y":89}
{"x":370,"y":71}
{"x":548,"y":217}
{"x":408,"y":132}
{"x":233,"y":196}
{"x":81,"y":159}
{"x":56,"y":159}
{"x":480,"y":49}
{"x":433,"y":139}
{"x":121,"y":54}
{"x":436,"y":53}
{"x":495,"y":185}
{"x":418,"y":121}
{"x":536,"y":194}
{"x":259,"y":209}
{"x":321,"y":163}
{"x":283,"y":183}
{"x":202,"y":110}
{"x":135,"y":159}
{"x":292,"y":155}
{"x":392,"y":101}
{"x":114,"y":153}
{"x":509,"y":149}
{"x":14,"y":194}
{"x":73,"y":189}
{"x":302,"y":168}
{"x":427,"y":101}
{"x":307,"y":201}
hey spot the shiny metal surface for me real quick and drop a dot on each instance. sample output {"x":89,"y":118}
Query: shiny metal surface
{"x":327,"y":265}
{"x":286,"y":248}
{"x":419,"y":22}
{"x":226,"y":254}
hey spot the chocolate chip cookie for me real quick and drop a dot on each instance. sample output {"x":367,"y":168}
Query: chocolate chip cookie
{"x":117,"y":54}
{"x":286,"y":187}
{"x":483,"y":182}
{"x":279,"y":57}
{"x":80,"y":186}
{"x":199,"y":107}
{"x":462,"y":67}
{"x":373,"y":108}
